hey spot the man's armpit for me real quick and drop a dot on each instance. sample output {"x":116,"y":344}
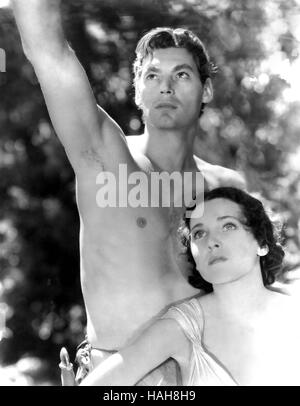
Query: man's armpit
{"x":93,"y":159}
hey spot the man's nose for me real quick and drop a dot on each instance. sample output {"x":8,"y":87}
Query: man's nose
{"x":166,"y":86}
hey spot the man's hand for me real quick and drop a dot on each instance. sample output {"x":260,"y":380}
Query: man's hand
{"x":67,"y":373}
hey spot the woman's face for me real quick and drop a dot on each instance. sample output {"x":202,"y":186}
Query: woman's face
{"x":223,"y":249}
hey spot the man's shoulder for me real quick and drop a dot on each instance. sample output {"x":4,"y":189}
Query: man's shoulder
{"x":135,"y":143}
{"x":136,"y":146}
{"x":217,"y":175}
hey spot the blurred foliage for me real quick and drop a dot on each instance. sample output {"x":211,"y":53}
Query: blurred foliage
{"x":250,"y":126}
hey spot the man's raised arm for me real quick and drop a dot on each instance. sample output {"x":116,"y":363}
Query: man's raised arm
{"x":81,"y":125}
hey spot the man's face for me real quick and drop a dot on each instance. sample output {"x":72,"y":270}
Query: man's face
{"x":223,"y":249}
{"x":169,"y":90}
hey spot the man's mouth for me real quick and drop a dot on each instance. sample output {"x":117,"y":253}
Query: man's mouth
{"x":165,"y":105}
{"x":215,"y":260}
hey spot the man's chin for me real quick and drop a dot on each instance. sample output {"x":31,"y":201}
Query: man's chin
{"x":165,"y":123}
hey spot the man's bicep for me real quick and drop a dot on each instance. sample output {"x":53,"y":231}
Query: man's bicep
{"x":79,"y":123}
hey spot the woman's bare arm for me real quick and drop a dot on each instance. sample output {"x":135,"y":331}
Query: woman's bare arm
{"x":163,"y":340}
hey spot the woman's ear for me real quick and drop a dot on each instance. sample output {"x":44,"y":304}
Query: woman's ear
{"x":208,"y":92}
{"x":262,"y":251}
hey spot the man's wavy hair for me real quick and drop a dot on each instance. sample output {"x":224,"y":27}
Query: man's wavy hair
{"x":266,"y":233}
{"x":166,"y":37}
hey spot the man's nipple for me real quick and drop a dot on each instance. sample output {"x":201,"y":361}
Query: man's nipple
{"x":141,"y":222}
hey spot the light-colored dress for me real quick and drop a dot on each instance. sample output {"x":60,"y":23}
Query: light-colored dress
{"x":204,"y":369}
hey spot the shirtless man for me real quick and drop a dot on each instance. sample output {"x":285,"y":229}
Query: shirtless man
{"x":132,"y":265}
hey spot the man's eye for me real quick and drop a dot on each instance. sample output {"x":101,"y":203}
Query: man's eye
{"x":229,"y":226}
{"x":199,"y":234}
{"x":151,"y":76}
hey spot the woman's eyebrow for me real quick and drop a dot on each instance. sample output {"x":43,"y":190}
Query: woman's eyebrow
{"x":228,"y":216}
{"x":219,"y":219}
{"x":197,"y":225}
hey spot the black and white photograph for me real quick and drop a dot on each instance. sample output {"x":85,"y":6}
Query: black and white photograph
{"x":149,"y":195}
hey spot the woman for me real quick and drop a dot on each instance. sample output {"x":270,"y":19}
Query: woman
{"x":241,"y":333}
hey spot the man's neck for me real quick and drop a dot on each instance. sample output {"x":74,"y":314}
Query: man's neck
{"x":170,"y":150}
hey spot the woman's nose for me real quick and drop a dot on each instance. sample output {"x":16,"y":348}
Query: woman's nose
{"x":214,"y":243}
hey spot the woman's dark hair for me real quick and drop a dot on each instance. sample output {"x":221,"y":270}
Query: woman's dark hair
{"x":259,"y":224}
{"x":166,"y":37}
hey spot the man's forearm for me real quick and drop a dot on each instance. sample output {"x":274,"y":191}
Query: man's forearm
{"x":40,"y":26}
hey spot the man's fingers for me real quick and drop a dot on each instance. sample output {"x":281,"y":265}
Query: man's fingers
{"x":67,"y":373}
{"x":67,"y":377}
{"x":64,"y":356}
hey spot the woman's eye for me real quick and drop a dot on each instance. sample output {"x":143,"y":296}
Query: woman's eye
{"x":199,"y":234}
{"x":183,"y":75}
{"x":229,"y":226}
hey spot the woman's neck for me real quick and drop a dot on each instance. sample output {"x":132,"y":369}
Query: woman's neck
{"x":244,"y":297}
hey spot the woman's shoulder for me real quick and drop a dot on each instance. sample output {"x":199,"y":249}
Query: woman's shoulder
{"x":205,"y":301}
{"x":189,"y":316}
{"x":174,"y":334}
{"x":283,"y":299}
{"x":190,"y":308}
{"x":284,"y":308}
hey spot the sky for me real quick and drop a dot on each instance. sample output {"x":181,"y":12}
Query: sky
{"x":4,"y":3}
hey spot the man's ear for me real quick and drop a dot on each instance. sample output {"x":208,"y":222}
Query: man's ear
{"x":208,"y":92}
{"x":137,"y":96}
{"x":137,"y":93}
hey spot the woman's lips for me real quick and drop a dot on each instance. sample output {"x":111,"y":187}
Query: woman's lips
{"x":215,"y":260}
